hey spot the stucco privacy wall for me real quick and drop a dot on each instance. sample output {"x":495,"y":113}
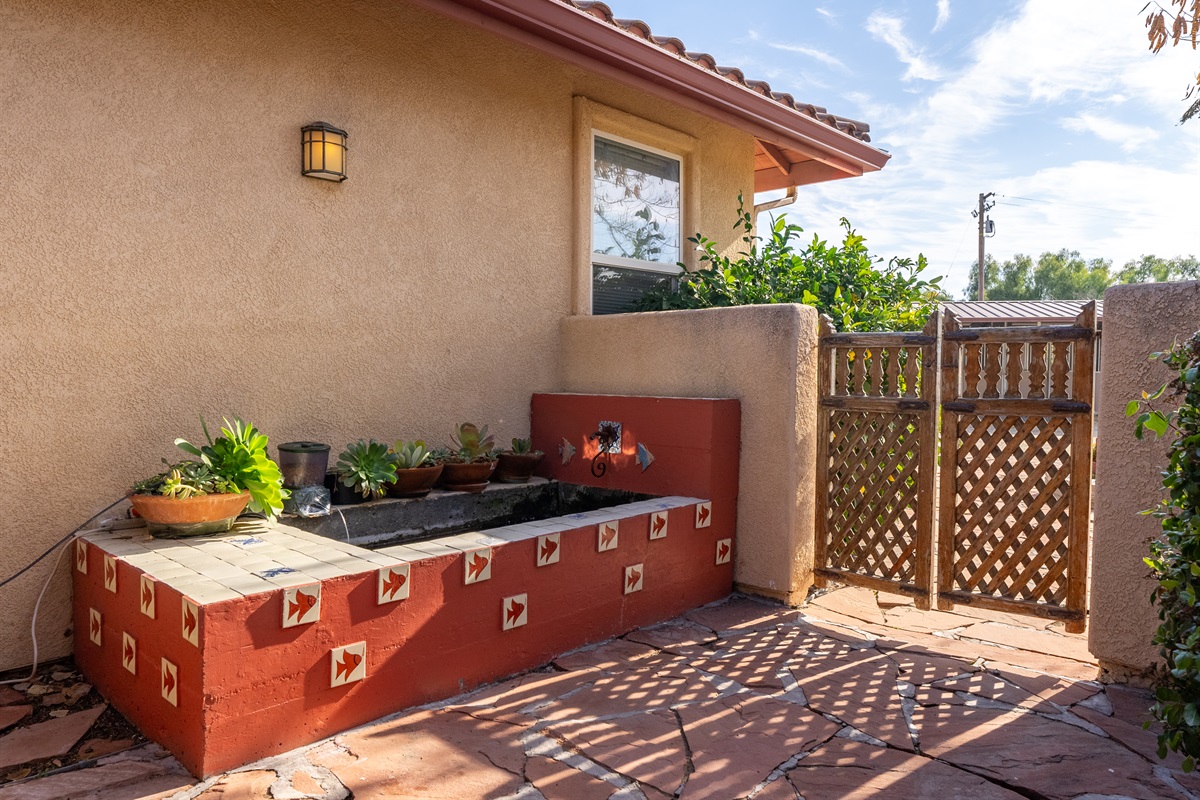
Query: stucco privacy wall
{"x":163,"y":257}
{"x":765,"y":356}
{"x":1139,"y":319}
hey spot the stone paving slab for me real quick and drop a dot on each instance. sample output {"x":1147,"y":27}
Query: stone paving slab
{"x":743,"y":699}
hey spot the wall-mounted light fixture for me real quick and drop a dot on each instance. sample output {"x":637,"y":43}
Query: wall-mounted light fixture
{"x":323,"y":151}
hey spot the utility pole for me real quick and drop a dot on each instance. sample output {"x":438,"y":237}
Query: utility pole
{"x":984,"y":207}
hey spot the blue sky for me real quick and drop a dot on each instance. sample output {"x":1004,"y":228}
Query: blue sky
{"x":1055,"y":105}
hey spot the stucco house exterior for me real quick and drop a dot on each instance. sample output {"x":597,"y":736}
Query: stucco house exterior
{"x":164,"y":256}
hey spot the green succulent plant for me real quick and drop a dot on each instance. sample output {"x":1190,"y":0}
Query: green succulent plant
{"x":472,"y":443}
{"x":440,"y":455}
{"x":524,"y":447}
{"x":367,"y":468}
{"x":410,"y":455}
{"x":239,"y":458}
{"x":185,"y":479}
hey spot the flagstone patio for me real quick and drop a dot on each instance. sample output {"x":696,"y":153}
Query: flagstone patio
{"x":853,"y":696}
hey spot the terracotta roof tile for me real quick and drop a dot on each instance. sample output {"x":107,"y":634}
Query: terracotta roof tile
{"x":635,"y":27}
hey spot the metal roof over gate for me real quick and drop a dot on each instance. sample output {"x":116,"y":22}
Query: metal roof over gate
{"x":1020,"y":312}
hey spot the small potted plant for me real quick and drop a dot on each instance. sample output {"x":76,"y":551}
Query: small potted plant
{"x":471,"y":460}
{"x":364,"y":470}
{"x":517,"y":465}
{"x":193,"y":498}
{"x":416,"y":471}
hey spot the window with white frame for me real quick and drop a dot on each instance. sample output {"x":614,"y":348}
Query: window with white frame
{"x":636,"y":221}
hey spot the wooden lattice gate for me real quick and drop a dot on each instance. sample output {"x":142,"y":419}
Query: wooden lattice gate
{"x":1009,"y":527}
{"x":876,"y":452}
{"x":1016,"y":467}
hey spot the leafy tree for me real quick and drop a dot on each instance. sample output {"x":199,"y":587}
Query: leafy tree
{"x":1184,"y":26}
{"x":1152,"y":269}
{"x":846,"y":282}
{"x":1056,"y":276}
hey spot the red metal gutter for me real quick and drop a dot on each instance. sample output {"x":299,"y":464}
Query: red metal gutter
{"x":566,"y":33}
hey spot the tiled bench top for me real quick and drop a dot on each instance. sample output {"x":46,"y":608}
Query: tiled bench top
{"x":257,"y":556}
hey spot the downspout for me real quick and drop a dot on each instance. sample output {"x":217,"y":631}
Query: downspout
{"x":786,"y":200}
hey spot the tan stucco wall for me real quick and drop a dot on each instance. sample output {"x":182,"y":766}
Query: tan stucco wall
{"x":1138,"y":320}
{"x":163,"y":257}
{"x":766,"y":357}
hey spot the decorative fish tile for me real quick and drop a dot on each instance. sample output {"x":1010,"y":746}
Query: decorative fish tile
{"x":146,"y":596}
{"x":634,"y":578}
{"x":95,"y":626}
{"x":129,"y":653}
{"x":301,"y":605}
{"x":347,"y":664}
{"x":170,"y":682}
{"x":567,"y":451}
{"x":658,"y":525}
{"x":81,"y":553}
{"x":607,"y":536}
{"x":392,"y":583}
{"x":190,"y":622}
{"x":644,"y":457}
{"x":703,"y":514}
{"x":549,"y":548}
{"x":477,"y":565}
{"x":110,"y":573}
{"x":515,"y":611}
{"x":724,"y":551}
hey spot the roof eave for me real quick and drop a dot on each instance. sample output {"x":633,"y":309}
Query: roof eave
{"x":578,"y":38}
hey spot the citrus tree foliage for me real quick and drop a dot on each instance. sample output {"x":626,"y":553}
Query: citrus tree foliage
{"x":1178,"y":22}
{"x":844,"y":281}
{"x":1175,"y":555}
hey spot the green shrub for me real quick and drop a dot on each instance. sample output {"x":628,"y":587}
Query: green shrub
{"x":846,"y":282}
{"x":1175,"y":555}
{"x":240,"y":458}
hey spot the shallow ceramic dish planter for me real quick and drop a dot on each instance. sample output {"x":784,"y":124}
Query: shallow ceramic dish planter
{"x":177,"y":517}
{"x":518,"y":464}
{"x":416,"y":471}
{"x":471,"y":462}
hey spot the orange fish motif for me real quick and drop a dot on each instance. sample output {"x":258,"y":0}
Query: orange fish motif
{"x":168,"y":680}
{"x":110,"y":572}
{"x":723,"y":550}
{"x":607,"y":535}
{"x":81,"y":556}
{"x":634,"y":577}
{"x":301,"y":605}
{"x":478,"y":563}
{"x":189,"y":620}
{"x":395,"y":581}
{"x":703,"y":515}
{"x":514,"y":612}
{"x":147,"y":595}
{"x":128,"y":652}
{"x":348,"y":664}
{"x":659,"y":524}
{"x":96,"y":628}
{"x":548,"y":548}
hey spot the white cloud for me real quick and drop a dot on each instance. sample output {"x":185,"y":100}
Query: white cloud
{"x":943,"y":15}
{"x":826,"y":13}
{"x":890,"y":31}
{"x":811,"y":52}
{"x":1129,"y":137}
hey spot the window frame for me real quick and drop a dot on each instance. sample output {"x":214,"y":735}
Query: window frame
{"x":624,"y":262}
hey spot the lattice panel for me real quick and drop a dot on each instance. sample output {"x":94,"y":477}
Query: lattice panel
{"x":1012,"y":504}
{"x":871,"y":513}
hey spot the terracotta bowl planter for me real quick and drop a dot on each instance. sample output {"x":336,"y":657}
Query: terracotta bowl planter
{"x":173,"y":517}
{"x":514,"y":468}
{"x":415,"y":482}
{"x":472,"y":477}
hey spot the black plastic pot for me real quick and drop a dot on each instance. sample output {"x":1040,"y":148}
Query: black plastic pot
{"x":303,"y":463}
{"x":344,"y":495}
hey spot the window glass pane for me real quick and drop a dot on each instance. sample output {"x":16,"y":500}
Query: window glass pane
{"x":614,"y":290}
{"x":635,"y":203}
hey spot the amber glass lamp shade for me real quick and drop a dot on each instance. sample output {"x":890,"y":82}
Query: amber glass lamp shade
{"x":323,"y":151}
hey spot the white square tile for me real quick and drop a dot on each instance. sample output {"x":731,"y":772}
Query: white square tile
{"x":129,"y":653}
{"x":392,"y":583}
{"x":170,"y":682}
{"x":549,"y":549}
{"x":477,"y":565}
{"x":95,"y":626}
{"x":190,"y":622}
{"x":658,"y":525}
{"x":147,"y":595}
{"x":81,"y":556}
{"x":110,"y":573}
{"x":635,"y":577}
{"x":724,"y":551}
{"x":301,"y":605}
{"x":347,"y":664}
{"x":703,"y":514}
{"x":607,"y":535}
{"x":515,"y":611}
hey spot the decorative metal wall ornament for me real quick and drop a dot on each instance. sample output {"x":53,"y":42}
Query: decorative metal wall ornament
{"x":608,"y":441}
{"x":644,"y":457}
{"x":567,"y":451}
{"x":323,"y":152}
